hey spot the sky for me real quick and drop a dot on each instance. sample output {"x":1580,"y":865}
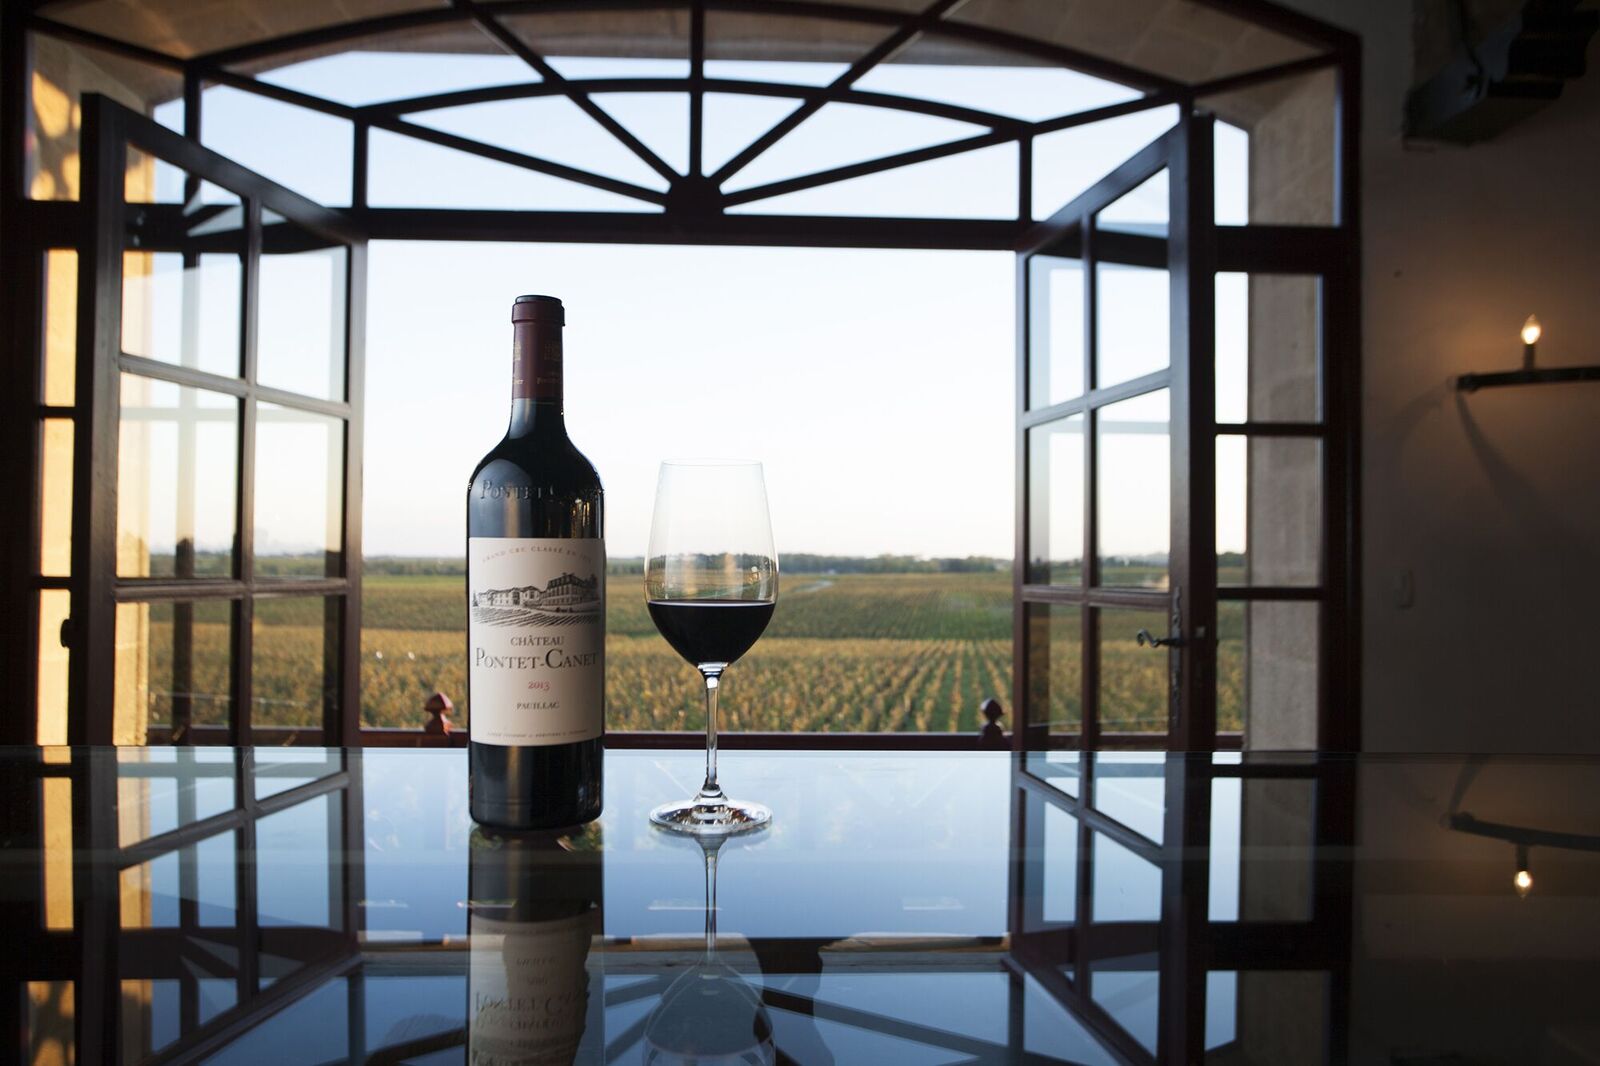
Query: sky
{"x":876,"y":386}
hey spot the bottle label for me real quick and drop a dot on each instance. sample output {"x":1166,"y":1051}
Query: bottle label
{"x":536,"y":633}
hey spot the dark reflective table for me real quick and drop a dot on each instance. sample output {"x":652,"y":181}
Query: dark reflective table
{"x":305,"y":906}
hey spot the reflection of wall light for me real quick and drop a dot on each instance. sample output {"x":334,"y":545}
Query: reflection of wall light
{"x":1522,"y":838}
{"x":1522,"y":880}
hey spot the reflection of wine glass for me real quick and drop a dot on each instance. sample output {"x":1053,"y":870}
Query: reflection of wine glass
{"x":711,"y":583}
{"x":710,"y":1014}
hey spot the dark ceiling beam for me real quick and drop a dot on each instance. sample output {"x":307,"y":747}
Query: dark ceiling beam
{"x":525,"y":52}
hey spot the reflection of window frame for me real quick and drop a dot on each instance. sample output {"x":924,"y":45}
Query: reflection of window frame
{"x":1185,"y":942}
{"x":103,"y":961}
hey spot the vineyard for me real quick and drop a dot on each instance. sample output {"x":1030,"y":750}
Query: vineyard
{"x":844,"y":653}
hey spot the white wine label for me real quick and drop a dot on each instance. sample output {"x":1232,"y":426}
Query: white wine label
{"x":528,"y":992}
{"x":536,"y":633}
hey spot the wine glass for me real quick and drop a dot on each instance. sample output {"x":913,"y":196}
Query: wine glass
{"x":711,"y":583}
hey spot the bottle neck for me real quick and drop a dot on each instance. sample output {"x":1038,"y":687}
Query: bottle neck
{"x":536,"y":387}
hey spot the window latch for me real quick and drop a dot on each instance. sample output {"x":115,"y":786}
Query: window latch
{"x":1146,"y":640}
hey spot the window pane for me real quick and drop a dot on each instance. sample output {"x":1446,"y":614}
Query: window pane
{"x":1231,"y":172}
{"x":173,"y":678}
{"x":844,"y":134}
{"x":1133,"y":679}
{"x":177,"y":466}
{"x":1132,"y":333}
{"x":1135,"y":463}
{"x":1055,"y":667}
{"x":54,"y":607}
{"x":301,"y":346}
{"x":55,"y":498}
{"x":188,"y":315}
{"x":294,"y":146}
{"x":659,"y":120}
{"x":295,"y":667}
{"x":1144,"y":209}
{"x":552,"y":128}
{"x":406,"y":172}
{"x":1267,"y":683}
{"x":1269,"y":510}
{"x":60,"y":327}
{"x":393,"y":65}
{"x":975,"y":184}
{"x":299,"y":521}
{"x":1069,"y":161}
{"x":1268,"y":348}
{"x":1055,"y":502}
{"x":1055,"y":329}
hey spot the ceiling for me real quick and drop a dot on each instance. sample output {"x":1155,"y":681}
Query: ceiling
{"x":1170,"y":40}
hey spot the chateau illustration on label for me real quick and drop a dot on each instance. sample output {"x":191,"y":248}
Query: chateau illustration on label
{"x":566,"y":600}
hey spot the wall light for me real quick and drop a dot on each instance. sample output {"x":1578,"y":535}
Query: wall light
{"x":1532,"y":330}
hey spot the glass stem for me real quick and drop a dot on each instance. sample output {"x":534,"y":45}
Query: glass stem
{"x":711,"y":792}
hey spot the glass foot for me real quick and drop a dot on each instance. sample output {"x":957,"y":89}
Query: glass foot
{"x":710,"y":819}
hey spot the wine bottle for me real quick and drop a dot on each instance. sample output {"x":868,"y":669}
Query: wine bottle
{"x":536,"y":571}
{"x":534,"y":990}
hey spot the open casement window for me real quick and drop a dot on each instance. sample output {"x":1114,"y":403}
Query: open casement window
{"x":1116,"y":571}
{"x":216,"y":518}
{"x":1183,"y":478}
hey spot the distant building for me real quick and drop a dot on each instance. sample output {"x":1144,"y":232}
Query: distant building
{"x":563,"y":592}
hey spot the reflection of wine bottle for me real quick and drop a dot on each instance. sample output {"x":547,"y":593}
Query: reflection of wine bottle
{"x":534,"y":907}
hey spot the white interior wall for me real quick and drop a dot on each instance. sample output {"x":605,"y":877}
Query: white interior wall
{"x":1489,"y":504}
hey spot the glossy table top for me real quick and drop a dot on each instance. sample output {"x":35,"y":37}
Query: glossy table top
{"x":305,"y":905}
